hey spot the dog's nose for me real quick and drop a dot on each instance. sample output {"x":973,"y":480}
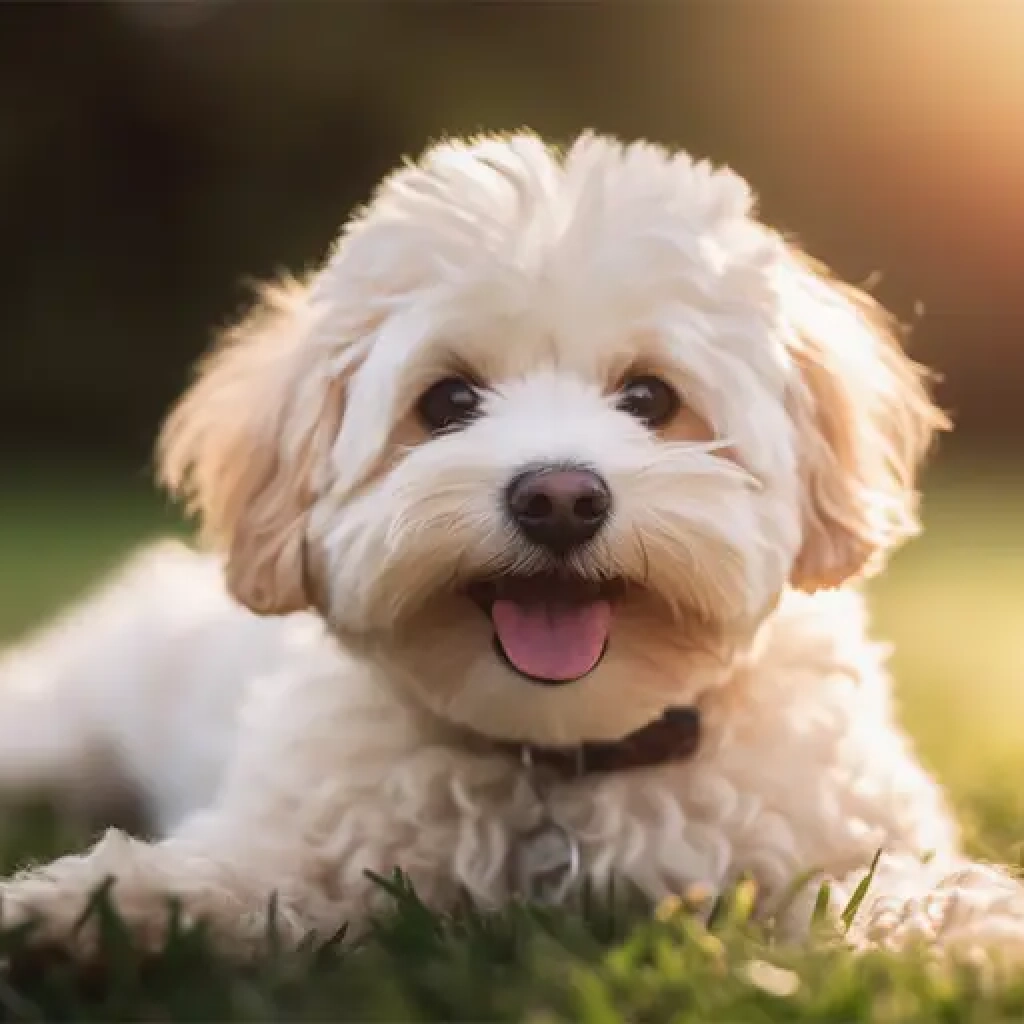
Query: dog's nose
{"x":559,"y":509}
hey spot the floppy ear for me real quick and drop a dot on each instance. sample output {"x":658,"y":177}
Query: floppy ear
{"x":243,"y":443}
{"x":864,"y":422}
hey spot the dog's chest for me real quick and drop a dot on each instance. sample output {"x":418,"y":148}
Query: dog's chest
{"x":662,"y":831}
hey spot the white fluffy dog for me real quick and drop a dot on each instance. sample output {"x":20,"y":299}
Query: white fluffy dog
{"x":544,"y":491}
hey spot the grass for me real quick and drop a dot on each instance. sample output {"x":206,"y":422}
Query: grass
{"x":953,"y":605}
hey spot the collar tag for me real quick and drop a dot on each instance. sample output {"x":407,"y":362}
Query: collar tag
{"x":544,"y":862}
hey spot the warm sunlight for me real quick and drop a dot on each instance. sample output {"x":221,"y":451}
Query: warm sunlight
{"x":943,"y":85}
{"x":601,"y":623}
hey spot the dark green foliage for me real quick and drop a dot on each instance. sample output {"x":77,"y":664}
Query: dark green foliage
{"x":603,"y":963}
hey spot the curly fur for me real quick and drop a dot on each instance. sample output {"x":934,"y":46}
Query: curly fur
{"x":287,"y":755}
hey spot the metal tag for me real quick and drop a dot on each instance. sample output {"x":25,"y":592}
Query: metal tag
{"x":545,"y":863}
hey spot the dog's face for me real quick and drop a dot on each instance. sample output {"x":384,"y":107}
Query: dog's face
{"x":547,"y":438}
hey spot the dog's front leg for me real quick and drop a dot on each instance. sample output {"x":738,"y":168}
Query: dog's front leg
{"x":954,"y":905}
{"x":230,"y":887}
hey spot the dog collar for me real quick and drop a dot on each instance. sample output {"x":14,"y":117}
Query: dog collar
{"x":673,"y":737}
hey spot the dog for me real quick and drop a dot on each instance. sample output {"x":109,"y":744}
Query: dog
{"x":535,"y":520}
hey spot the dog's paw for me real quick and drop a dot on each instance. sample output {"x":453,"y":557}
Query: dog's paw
{"x":970,"y":911}
{"x":68,"y":903}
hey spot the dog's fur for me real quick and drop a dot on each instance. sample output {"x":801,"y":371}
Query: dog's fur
{"x":349,"y":724}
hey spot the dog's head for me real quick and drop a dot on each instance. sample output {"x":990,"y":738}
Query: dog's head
{"x":547,"y":438}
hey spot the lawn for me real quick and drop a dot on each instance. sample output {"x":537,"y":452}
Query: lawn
{"x":953,"y":606}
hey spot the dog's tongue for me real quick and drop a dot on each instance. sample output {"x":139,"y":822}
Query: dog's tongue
{"x":552,"y":640}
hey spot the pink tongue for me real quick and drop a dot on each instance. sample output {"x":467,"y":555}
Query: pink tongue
{"x":553,"y":641}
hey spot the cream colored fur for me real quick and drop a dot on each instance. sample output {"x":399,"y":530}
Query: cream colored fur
{"x":285,"y":756}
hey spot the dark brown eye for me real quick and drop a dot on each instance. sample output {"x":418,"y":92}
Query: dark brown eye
{"x":650,"y":399}
{"x":451,"y":402}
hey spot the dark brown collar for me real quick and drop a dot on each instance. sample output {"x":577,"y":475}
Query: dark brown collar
{"x":673,"y":737}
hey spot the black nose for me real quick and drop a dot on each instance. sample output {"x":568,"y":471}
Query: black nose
{"x":559,"y":509}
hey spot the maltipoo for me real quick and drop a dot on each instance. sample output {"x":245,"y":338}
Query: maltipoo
{"x":536,"y":511}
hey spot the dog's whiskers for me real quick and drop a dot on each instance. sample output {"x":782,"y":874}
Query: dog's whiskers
{"x":645,"y":556}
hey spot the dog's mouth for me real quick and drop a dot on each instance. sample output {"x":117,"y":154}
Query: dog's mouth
{"x":551,"y":629}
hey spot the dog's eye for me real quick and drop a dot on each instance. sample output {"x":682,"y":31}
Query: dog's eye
{"x":451,"y":402}
{"x":649,"y":399}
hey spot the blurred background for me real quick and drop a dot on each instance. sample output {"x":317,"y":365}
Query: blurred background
{"x":156,"y":156}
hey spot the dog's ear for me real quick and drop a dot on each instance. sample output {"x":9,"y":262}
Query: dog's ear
{"x":243,"y":443}
{"x":863,"y":420}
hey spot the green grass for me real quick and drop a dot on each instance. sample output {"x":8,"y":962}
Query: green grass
{"x":953,"y":605}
